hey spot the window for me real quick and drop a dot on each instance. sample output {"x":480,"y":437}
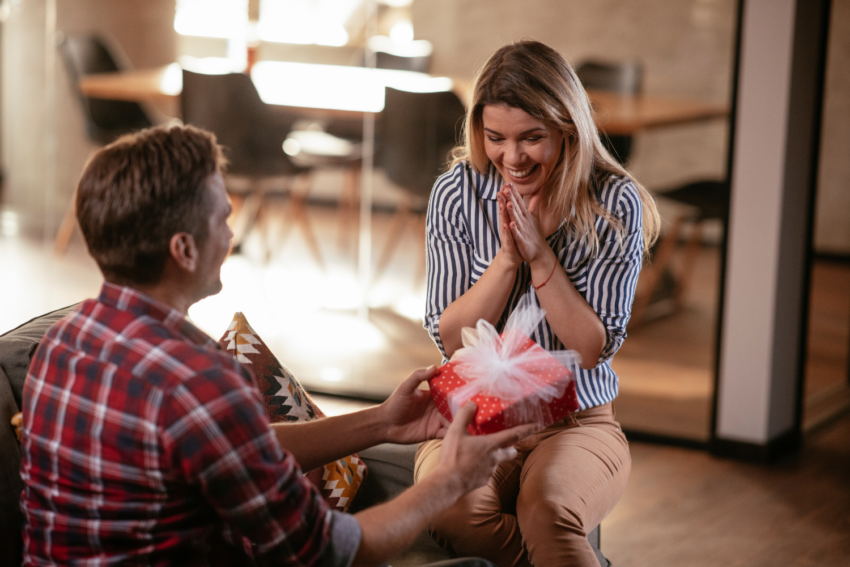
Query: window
{"x":323,"y":22}
{"x":212,"y":18}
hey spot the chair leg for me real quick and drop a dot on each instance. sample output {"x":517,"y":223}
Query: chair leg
{"x":421,"y":238}
{"x":271,"y":230}
{"x":687,"y":268}
{"x":348,"y":213}
{"x":248,"y":212}
{"x":652,"y":273}
{"x":66,"y":227}
{"x":395,"y":232}
{"x":299,"y":217}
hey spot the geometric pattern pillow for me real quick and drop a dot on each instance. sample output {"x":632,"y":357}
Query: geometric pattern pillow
{"x":286,"y":400}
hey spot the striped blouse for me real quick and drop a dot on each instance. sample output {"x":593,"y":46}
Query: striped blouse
{"x":463,"y":237}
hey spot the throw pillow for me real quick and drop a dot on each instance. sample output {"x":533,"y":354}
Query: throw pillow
{"x":286,"y":400}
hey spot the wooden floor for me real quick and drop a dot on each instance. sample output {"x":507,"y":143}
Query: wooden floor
{"x":685,"y":507}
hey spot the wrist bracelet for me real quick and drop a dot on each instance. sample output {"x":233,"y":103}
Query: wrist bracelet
{"x":536,"y":287}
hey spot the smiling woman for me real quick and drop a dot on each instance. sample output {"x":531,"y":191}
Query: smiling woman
{"x":524,"y":150}
{"x":535,"y":205}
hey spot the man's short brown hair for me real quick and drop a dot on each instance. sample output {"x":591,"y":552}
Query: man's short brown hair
{"x":140,"y":190}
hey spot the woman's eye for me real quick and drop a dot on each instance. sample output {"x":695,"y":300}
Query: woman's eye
{"x":494,"y":139}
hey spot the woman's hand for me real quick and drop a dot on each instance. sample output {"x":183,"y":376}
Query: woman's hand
{"x":509,"y":248}
{"x":524,"y":223}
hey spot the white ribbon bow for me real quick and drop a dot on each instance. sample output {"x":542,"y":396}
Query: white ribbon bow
{"x":495,"y":366}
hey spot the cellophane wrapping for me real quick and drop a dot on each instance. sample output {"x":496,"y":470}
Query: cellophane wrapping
{"x":511,"y":378}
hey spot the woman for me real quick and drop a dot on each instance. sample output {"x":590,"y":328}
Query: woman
{"x":534,"y":203}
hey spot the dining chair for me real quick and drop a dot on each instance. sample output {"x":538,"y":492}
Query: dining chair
{"x":105,"y":120}
{"x":410,"y":56}
{"x":417,"y":132}
{"x":624,"y":78}
{"x":665,"y":280}
{"x":310,"y":145}
{"x":253,"y":134}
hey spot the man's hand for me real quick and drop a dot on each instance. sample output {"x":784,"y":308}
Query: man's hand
{"x":466,"y":462}
{"x":409,"y":414}
{"x":472,"y":459}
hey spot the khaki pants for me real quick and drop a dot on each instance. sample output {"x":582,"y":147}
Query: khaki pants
{"x":538,"y":508}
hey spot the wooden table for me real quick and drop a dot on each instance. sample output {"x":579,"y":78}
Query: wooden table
{"x":345,"y":90}
{"x":356,"y":91}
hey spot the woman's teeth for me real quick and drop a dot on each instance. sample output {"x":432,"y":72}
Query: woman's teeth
{"x":519,"y":174}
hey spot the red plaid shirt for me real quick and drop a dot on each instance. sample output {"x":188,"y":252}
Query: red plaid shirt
{"x":144,"y":444}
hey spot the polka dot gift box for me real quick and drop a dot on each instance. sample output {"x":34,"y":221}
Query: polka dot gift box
{"x":511,"y":378}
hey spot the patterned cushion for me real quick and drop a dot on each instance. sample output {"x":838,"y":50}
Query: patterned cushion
{"x":286,"y":400}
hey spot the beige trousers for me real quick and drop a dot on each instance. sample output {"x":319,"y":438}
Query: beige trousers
{"x":538,"y":508}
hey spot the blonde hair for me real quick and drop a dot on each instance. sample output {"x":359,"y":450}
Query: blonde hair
{"x":535,"y":78}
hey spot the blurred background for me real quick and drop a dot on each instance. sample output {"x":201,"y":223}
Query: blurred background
{"x":331,"y":169}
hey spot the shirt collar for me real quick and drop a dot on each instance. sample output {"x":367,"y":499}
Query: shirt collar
{"x":133,"y":301}
{"x":489,"y":183}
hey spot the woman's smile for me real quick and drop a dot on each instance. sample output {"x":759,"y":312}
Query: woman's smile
{"x":520,"y":174}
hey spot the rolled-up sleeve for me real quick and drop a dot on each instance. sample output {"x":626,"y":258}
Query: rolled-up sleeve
{"x":449,"y":250}
{"x":612,"y":274}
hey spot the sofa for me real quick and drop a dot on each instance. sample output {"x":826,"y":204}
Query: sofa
{"x":390,"y":466}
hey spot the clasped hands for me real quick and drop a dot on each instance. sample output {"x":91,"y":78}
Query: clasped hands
{"x":520,"y":229}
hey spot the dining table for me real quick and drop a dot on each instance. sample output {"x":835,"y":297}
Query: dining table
{"x":328,"y":91}
{"x":349,"y":90}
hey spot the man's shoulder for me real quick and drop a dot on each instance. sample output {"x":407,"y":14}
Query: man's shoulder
{"x":136,"y":344}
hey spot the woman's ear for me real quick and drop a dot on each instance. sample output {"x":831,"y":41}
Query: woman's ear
{"x":184,"y":251}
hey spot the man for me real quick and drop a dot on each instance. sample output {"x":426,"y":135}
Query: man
{"x":144,"y":444}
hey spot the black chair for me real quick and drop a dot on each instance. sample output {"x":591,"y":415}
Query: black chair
{"x":625,"y":78}
{"x":660,"y":283}
{"x":413,"y":56}
{"x":253,"y":133}
{"x":105,"y":120}
{"x":311,"y":145}
{"x":417,"y":133}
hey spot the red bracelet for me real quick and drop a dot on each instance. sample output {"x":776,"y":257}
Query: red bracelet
{"x":547,"y":279}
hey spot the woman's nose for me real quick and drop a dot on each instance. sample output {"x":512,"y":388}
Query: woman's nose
{"x":513,"y":154}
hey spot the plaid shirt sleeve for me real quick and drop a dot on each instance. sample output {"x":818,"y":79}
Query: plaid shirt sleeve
{"x":216,"y":434}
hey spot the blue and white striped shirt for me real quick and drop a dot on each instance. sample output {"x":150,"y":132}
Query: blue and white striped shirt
{"x":463,"y":237}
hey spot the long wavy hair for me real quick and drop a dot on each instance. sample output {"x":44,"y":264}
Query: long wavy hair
{"x":537,"y":79}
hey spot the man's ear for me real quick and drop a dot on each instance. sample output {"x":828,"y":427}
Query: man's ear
{"x":184,"y":251}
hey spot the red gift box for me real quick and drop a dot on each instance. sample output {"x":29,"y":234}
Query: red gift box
{"x":494,"y":413}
